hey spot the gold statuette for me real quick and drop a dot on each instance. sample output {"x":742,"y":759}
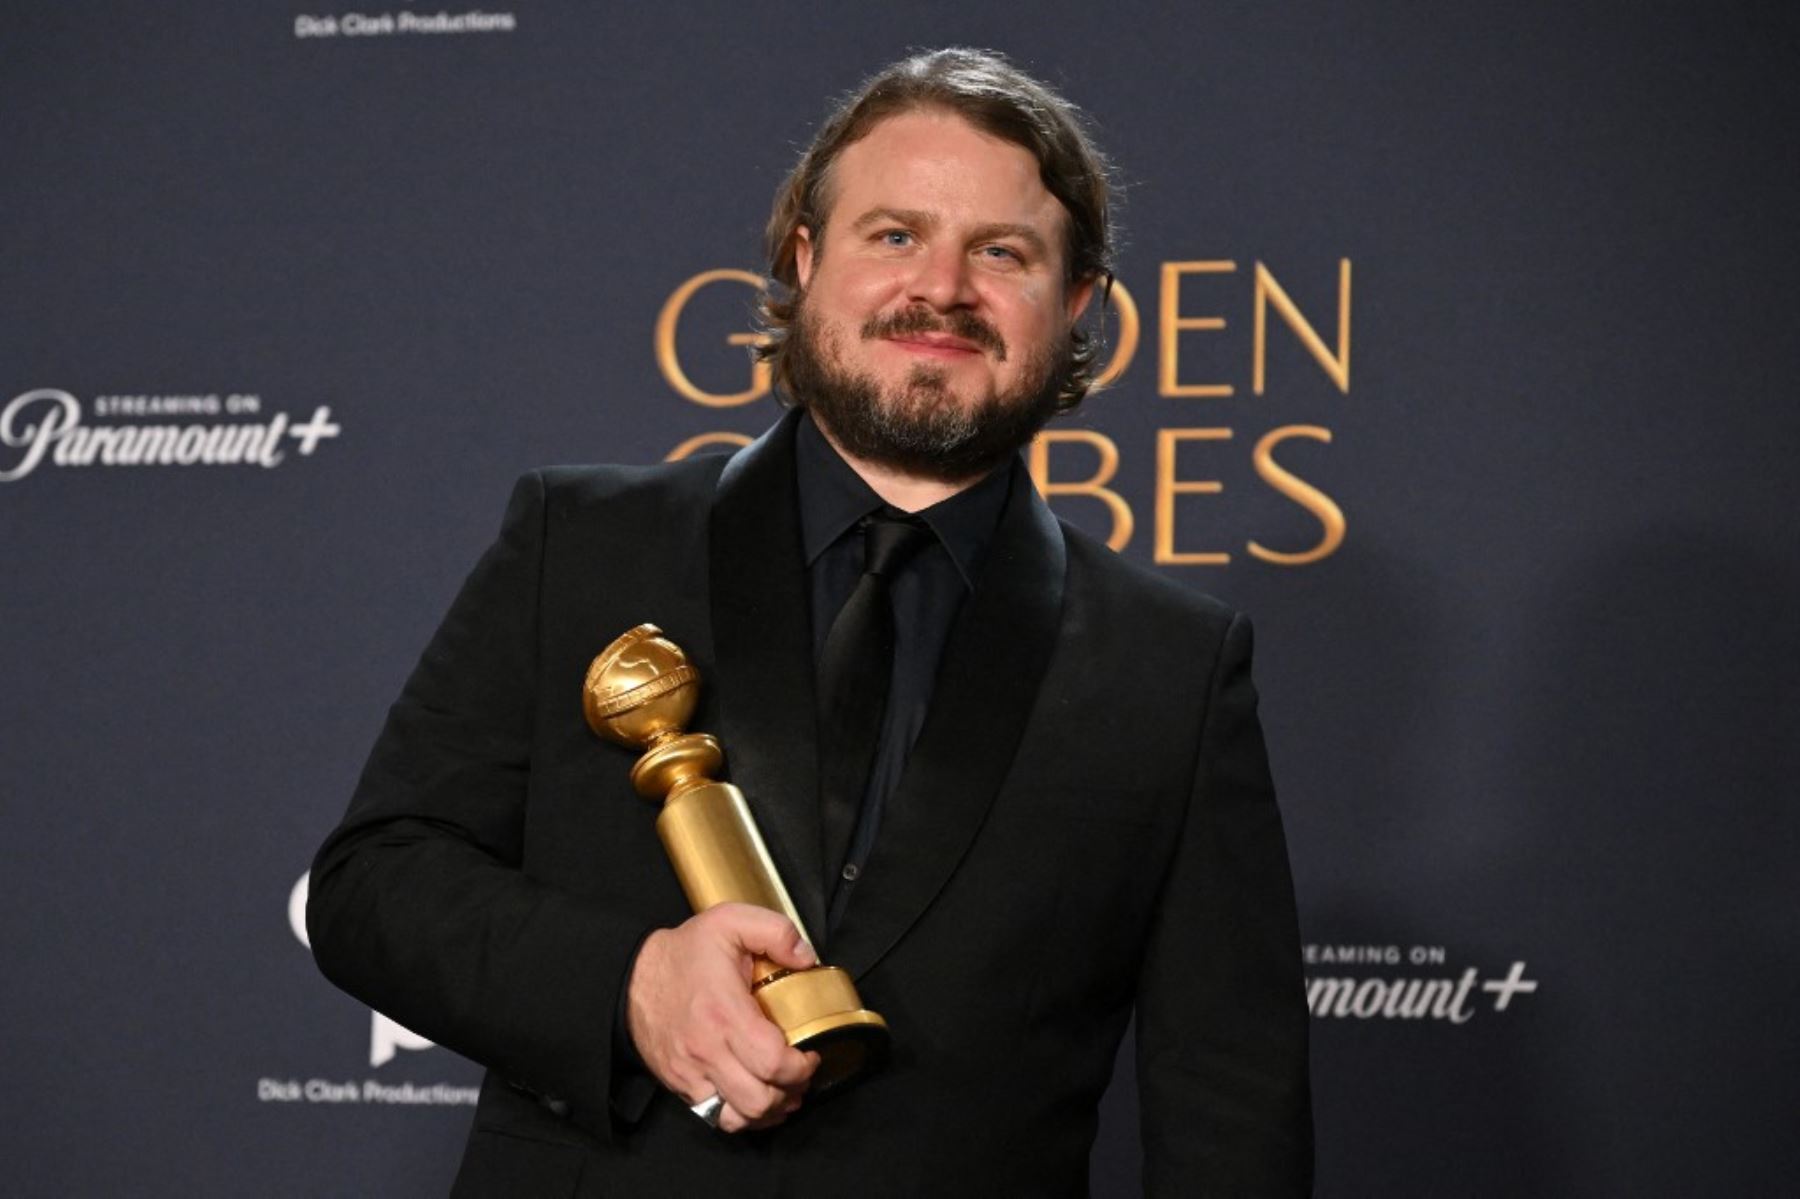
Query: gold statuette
{"x":640,"y":693}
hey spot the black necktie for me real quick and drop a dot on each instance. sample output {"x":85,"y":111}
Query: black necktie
{"x":855,"y":671}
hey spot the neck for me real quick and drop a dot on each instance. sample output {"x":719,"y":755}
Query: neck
{"x":907,"y":492}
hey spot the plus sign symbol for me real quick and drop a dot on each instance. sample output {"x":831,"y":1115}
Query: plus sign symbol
{"x":315,"y":430}
{"x":1515,"y":983}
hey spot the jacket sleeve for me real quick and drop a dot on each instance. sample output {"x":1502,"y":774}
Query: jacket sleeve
{"x":418,"y":906}
{"x":1224,"y":1094}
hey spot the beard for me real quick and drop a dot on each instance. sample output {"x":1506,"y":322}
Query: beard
{"x":920,"y":427}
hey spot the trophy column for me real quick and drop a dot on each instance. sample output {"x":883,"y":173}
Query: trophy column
{"x":640,"y":692}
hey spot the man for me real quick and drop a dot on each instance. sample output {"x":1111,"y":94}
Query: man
{"x":1016,"y":786}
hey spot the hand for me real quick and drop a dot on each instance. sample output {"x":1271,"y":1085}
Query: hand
{"x":691,"y":1015}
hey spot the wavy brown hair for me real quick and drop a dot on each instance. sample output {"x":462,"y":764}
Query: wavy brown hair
{"x":996,"y":97}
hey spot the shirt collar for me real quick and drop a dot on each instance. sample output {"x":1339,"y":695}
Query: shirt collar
{"x":833,"y":497}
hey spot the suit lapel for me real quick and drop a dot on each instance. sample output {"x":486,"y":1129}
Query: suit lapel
{"x":762,"y":640}
{"x":987,"y":685}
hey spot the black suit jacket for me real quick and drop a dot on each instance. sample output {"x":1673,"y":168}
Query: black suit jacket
{"x":1086,"y":823}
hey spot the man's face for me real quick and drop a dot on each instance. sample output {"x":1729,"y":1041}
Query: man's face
{"x":934,"y":317}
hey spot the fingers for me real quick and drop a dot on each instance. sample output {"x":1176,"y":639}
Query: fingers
{"x":715,"y":1111}
{"x":699,"y":1029}
{"x":745,"y":1101}
{"x":748,"y":1095}
{"x":763,"y":1051}
{"x":761,"y":931}
{"x":760,"y":1077}
{"x":730,"y":1120}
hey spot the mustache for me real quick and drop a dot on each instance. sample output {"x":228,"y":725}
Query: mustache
{"x":959,"y":323}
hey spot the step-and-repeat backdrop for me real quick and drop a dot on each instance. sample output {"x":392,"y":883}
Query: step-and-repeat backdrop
{"x":1456,"y":345}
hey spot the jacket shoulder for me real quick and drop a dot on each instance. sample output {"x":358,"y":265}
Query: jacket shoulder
{"x":562,"y":498}
{"x":566,"y":487}
{"x":1137,"y":591}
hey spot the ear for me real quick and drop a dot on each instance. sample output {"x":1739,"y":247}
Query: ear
{"x":1076,"y":302}
{"x":803,"y":255}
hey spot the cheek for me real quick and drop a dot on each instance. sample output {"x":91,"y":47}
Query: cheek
{"x":1029,"y":322}
{"x":876,"y":293}
{"x":860,"y":289}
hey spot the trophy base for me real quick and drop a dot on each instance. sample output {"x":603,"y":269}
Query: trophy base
{"x":819,"y":1010}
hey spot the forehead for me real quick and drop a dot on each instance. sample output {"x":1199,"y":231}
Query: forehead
{"x":934,"y":160}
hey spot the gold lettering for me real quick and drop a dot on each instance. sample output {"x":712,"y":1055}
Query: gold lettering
{"x":705,"y":439}
{"x":670,"y":317}
{"x":1168,"y":487}
{"x":1268,"y":291}
{"x":1128,"y":337}
{"x":1171,"y":324}
{"x":1039,"y":462}
{"x":1323,"y":508}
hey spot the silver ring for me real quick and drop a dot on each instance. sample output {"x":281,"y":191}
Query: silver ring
{"x":708,"y":1110}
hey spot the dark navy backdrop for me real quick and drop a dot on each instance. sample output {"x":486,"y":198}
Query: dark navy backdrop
{"x":1532,"y":718}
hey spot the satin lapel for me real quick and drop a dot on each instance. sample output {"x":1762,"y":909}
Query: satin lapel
{"x":762,"y":639}
{"x":986,"y":688}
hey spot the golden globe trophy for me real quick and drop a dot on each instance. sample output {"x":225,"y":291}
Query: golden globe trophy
{"x":640,"y":693}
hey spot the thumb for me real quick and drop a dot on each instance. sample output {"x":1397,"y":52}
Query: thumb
{"x":761,"y":931}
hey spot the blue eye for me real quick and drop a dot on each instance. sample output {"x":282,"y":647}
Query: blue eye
{"x":1002,"y":252}
{"x":896,"y":237}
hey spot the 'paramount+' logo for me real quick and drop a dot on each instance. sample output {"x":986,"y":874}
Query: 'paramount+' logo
{"x":1383,"y":982}
{"x":48,"y":427}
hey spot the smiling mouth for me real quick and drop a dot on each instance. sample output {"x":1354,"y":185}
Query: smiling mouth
{"x":948,"y":337}
{"x":935,"y":345}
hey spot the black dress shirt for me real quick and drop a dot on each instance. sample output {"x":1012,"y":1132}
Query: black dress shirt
{"x":927,"y":592}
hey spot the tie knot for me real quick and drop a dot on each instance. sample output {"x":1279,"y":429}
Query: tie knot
{"x":890,"y":537}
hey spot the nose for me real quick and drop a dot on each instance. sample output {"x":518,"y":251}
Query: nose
{"x":943,"y":280}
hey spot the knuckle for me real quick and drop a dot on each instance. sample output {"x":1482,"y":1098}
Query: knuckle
{"x":766,"y":1066}
{"x":795,"y":1067}
{"x":711,"y":1015}
{"x":762,"y":1058}
{"x":701,"y":1053}
{"x":731,"y":913}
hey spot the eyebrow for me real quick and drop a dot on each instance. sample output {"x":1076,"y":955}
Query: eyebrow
{"x":901,"y":216}
{"x":919,"y":219}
